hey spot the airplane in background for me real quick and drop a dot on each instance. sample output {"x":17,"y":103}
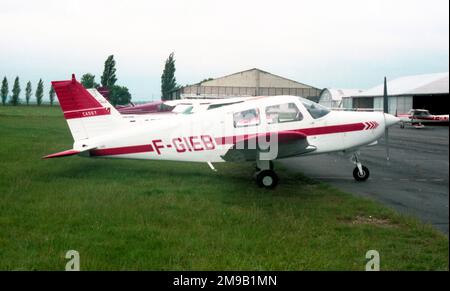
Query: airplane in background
{"x":151,"y":107}
{"x":185,"y":106}
{"x":260,"y":129}
{"x":417,"y":117}
{"x":165,"y":109}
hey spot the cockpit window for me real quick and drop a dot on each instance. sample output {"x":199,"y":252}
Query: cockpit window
{"x":183,"y":109}
{"x":280,"y":113}
{"x":246,"y":118}
{"x":420,"y":113}
{"x":316,"y":110}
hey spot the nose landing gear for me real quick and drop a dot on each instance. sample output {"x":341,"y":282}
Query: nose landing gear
{"x":360,"y":173}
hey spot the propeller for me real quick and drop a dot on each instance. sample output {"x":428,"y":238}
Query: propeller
{"x":386,"y":111}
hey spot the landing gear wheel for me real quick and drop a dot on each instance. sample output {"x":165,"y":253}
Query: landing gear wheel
{"x":267,"y":179}
{"x":361,"y":177}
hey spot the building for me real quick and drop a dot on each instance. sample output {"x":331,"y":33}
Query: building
{"x":332,"y":98}
{"x":430,"y":91}
{"x":253,"y":82}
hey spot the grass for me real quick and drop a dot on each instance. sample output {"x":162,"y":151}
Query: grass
{"x":155,"y":215}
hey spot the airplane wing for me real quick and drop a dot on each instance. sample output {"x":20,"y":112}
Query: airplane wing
{"x":289,"y":143}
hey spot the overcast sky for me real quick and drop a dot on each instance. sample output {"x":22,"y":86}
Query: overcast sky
{"x":344,"y":44}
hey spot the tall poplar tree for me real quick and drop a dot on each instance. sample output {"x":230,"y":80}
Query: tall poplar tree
{"x":15,"y":97}
{"x":168,"y":80}
{"x":108,"y":78}
{"x":4,"y":90}
{"x":39,"y":92}
{"x":28,"y":92}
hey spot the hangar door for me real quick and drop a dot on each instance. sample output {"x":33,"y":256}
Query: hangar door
{"x":363,"y":103}
{"x":436,"y":104}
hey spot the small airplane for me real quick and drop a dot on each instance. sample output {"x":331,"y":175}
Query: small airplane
{"x":152,"y":107}
{"x":417,"y":117}
{"x":261,"y":129}
{"x":185,"y":106}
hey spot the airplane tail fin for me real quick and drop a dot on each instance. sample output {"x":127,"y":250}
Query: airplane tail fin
{"x":86,"y":114}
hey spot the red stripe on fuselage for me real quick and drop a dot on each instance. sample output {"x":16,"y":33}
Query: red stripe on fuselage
{"x":306,"y":131}
{"x":332,"y":129}
{"x":234,"y":139}
{"x":122,"y":150}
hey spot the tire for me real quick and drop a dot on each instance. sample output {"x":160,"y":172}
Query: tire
{"x":267,"y":179}
{"x":361,"y":178}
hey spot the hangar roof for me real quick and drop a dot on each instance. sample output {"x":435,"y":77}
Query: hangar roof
{"x":412,"y":85}
{"x":338,"y":94}
{"x":254,"y":78}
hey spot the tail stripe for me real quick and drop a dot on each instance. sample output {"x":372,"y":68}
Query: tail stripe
{"x":87,"y":114}
{"x":73,"y":96}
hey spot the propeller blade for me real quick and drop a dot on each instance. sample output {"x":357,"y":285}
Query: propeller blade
{"x":386,"y":111}
{"x":385,"y":98}
{"x":386,"y":138}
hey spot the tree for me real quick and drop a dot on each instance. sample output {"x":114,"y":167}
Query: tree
{"x":51,"y":95}
{"x":39,"y":92}
{"x":108,"y":78}
{"x":4,"y":90}
{"x":15,"y":100}
{"x":168,"y":80}
{"x":119,"y":95}
{"x":28,"y":91}
{"x":88,"y":81}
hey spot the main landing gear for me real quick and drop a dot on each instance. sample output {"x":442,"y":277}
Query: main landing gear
{"x":360,"y":173}
{"x":265,"y":175}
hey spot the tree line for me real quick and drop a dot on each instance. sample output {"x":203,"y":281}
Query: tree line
{"x":117,"y":95}
{"x":14,"y":98}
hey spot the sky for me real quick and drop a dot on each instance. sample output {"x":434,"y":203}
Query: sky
{"x":323,"y":43}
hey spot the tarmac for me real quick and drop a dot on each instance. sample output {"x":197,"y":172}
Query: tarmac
{"x":415,"y":181}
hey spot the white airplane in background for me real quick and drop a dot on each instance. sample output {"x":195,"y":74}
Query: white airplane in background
{"x":183,"y":106}
{"x":417,"y":117}
{"x":261,"y":129}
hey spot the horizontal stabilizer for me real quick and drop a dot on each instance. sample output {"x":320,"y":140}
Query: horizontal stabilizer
{"x":62,"y":154}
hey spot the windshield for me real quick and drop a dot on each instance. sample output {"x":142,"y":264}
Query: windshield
{"x":316,"y":110}
{"x":421,"y":113}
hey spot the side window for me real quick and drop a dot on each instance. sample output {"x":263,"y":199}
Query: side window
{"x":246,"y":118}
{"x":287,"y":112}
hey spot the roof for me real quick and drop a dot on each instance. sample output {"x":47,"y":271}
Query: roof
{"x":213,"y":80}
{"x":338,"y":94}
{"x":412,"y":85}
{"x":265,"y":72}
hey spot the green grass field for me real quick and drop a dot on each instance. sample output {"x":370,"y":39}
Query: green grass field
{"x":148,"y":215}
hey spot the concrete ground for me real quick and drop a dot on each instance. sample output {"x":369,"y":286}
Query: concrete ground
{"x":414,"y":182}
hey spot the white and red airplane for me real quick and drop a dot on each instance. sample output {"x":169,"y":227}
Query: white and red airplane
{"x":261,"y":129}
{"x":417,"y":117}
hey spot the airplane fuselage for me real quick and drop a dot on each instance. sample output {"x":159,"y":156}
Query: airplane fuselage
{"x":207,"y":136}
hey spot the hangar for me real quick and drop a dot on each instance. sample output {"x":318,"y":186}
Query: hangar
{"x":429,"y":91}
{"x":332,"y":97}
{"x":253,"y":82}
